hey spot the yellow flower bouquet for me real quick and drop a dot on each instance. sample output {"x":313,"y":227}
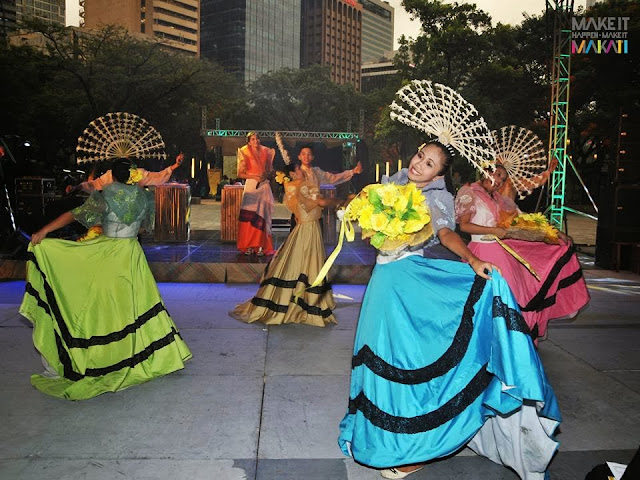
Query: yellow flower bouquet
{"x":532,"y":227}
{"x":392,"y":216}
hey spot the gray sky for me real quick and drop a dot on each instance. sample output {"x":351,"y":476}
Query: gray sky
{"x":505,"y":11}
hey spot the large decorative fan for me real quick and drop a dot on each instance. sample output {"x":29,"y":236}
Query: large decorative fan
{"x":524,"y":157}
{"x":119,"y":134}
{"x":442,"y":113}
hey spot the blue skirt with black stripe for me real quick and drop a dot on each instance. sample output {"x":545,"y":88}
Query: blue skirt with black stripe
{"x":438,"y":352}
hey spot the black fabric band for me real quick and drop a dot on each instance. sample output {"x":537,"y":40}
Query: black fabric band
{"x":428,"y":421}
{"x":442,"y":365}
{"x":51,"y":307}
{"x":253,"y":218}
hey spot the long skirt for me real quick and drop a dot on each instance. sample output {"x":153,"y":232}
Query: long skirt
{"x":98,"y":318}
{"x":440,"y":355}
{"x":256,"y":211}
{"x":561,"y":290}
{"x":283,"y":296}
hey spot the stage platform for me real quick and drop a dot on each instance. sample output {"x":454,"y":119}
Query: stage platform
{"x":206,"y":259}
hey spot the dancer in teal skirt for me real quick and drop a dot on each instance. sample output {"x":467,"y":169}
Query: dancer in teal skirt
{"x":98,"y":319}
{"x":442,"y":357}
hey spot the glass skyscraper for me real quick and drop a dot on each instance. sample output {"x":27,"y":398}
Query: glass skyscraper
{"x":251,"y":37}
{"x":50,"y":11}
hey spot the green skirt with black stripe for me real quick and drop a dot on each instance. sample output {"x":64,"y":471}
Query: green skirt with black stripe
{"x":98,"y":318}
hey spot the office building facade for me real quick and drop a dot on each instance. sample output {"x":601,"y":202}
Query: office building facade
{"x":14,"y":12}
{"x":175,"y":23}
{"x":377,"y":29}
{"x":251,"y":37}
{"x":332,"y":35}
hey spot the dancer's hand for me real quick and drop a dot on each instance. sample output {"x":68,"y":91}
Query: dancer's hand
{"x":357,"y":169}
{"x":566,"y":239}
{"x":499,"y":232}
{"x":483,"y":269}
{"x":38,"y":236}
{"x":179,"y":160}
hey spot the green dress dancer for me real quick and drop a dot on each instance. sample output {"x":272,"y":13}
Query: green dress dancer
{"x":99,"y":321}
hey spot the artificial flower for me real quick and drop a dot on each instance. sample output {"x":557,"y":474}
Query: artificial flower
{"x":135,"y":176}
{"x":390,"y":215}
{"x":92,"y":233}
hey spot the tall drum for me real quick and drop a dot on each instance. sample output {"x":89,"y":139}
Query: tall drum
{"x":230,"y":211}
{"x":173,"y":210}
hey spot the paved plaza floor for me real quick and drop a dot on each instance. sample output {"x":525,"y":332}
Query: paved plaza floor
{"x":261,"y":403}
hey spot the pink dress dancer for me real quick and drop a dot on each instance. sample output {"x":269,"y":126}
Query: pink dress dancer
{"x":561,"y":290}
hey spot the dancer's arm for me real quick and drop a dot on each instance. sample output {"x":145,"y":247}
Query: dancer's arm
{"x":62,"y":221}
{"x":453,"y":242}
{"x":468,"y":227}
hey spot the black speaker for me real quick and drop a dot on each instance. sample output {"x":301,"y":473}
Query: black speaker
{"x":617,"y":222}
{"x":33,"y":194}
{"x":628,"y":154}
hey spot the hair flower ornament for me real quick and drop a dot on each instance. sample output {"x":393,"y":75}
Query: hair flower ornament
{"x":135,"y":175}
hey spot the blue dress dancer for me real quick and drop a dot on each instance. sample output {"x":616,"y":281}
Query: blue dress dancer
{"x":442,"y":356}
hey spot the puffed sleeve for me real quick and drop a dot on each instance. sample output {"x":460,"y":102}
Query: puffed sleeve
{"x":465,"y":202}
{"x":242,"y":164}
{"x":327,"y":178}
{"x":442,"y":210}
{"x":90,"y":212}
{"x":154,"y":178}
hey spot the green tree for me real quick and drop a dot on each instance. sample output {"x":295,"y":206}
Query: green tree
{"x":81,"y":75}
{"x":303,"y":99}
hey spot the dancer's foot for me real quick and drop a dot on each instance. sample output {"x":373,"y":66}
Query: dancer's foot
{"x":399,"y":472}
{"x":260,"y":252}
{"x":248,"y":251}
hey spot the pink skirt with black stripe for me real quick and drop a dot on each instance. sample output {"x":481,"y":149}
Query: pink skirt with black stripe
{"x":561,"y":290}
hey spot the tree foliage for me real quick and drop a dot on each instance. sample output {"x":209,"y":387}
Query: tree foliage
{"x":303,"y":99}
{"x":79,"y":75}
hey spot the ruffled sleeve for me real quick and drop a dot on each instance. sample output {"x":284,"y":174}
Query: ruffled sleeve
{"x":465,"y":202}
{"x":440,"y":203}
{"x":327,"y":178}
{"x":91,"y":212}
{"x":154,"y":178}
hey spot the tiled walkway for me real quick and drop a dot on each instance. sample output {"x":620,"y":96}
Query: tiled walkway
{"x":261,"y":403}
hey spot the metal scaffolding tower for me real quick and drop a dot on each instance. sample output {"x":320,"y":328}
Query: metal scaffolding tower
{"x":559,"y":121}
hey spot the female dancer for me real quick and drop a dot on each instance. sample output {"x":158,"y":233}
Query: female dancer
{"x":255,"y":163}
{"x":99,"y":321}
{"x":561,"y":290}
{"x":442,"y":357}
{"x":297,"y":261}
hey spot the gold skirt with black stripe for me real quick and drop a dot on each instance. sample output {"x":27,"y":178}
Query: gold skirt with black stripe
{"x":290,"y":272}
